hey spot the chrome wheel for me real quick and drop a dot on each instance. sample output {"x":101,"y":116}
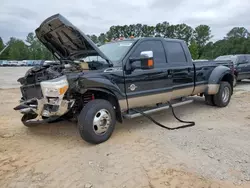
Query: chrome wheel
{"x":101,"y":122}
{"x":225,"y":94}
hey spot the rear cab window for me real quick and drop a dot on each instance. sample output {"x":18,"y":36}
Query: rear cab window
{"x":248,"y":58}
{"x":241,"y":59}
{"x":175,"y":52}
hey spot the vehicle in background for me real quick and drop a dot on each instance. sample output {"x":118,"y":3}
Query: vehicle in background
{"x":24,"y":62}
{"x":5,"y":63}
{"x":38,"y":63}
{"x":241,"y":64}
{"x":49,"y":62}
{"x":13,"y":63}
{"x":198,"y":60}
{"x":21,"y":63}
{"x":30,"y":63}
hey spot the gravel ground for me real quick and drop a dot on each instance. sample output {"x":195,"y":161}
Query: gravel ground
{"x":9,"y":76}
{"x":214,"y":153}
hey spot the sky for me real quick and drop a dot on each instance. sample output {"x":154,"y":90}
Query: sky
{"x":18,"y":18}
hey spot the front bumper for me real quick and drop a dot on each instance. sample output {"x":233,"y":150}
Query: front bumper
{"x":43,"y":110}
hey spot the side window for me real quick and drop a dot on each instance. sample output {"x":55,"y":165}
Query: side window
{"x":241,"y":59}
{"x":158,"y":51}
{"x":248,"y":58}
{"x":175,"y":52}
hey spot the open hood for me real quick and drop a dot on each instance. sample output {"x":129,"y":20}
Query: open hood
{"x":66,"y":41}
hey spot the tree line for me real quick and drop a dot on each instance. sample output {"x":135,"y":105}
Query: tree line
{"x":198,"y":39}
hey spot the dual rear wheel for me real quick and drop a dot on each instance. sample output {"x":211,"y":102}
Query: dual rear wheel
{"x":222,"y":98}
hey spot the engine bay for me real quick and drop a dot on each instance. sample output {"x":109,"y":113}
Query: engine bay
{"x":38,"y":74}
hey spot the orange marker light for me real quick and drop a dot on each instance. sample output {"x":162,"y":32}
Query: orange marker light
{"x":150,"y":63}
{"x":63,"y":90}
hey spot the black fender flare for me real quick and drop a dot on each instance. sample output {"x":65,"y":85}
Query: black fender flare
{"x":220,"y":73}
{"x":102,"y":84}
{"x":99,"y":83}
{"x":120,"y":103}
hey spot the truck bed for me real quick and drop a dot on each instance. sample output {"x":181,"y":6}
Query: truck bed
{"x":226,"y":63}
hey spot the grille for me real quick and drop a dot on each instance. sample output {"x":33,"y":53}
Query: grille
{"x":31,"y":91}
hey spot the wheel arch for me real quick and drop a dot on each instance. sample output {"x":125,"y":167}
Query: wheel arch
{"x":101,"y":93}
{"x":219,"y":74}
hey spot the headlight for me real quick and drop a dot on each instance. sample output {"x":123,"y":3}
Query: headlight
{"x":56,"y":87}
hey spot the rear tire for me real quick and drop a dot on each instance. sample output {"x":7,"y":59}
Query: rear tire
{"x":96,"y":121}
{"x":222,"y":98}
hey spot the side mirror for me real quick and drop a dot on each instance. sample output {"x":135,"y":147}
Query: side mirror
{"x":146,"y":60}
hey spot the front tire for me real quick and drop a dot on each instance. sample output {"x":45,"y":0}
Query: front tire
{"x":222,"y":98}
{"x":96,"y":121}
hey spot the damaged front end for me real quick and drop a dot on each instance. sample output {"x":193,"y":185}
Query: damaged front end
{"x":49,"y":106}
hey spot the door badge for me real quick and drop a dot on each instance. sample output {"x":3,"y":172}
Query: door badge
{"x":132,"y":87}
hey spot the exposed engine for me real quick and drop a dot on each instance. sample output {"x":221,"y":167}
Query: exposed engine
{"x":30,"y":83}
{"x":47,"y":72}
{"x":46,"y":94}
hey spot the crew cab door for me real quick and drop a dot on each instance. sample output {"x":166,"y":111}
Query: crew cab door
{"x":152,"y":86}
{"x":181,"y":69}
{"x":242,"y":67}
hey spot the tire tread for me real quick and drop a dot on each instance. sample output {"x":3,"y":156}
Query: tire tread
{"x":85,"y":125}
{"x":218,"y":97}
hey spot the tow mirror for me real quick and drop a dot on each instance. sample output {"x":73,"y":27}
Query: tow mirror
{"x":146,"y":60}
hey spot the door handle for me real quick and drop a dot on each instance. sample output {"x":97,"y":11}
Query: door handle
{"x":170,"y":71}
{"x":170,"y":74}
{"x":189,"y":69}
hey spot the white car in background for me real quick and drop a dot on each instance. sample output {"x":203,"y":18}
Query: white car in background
{"x":47,"y":62}
{"x":5,"y":63}
{"x":13,"y":63}
{"x":21,"y":63}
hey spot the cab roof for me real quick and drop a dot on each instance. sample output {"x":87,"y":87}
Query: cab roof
{"x":146,"y":38}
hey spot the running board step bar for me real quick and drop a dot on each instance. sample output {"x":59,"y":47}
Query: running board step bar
{"x":131,"y":116}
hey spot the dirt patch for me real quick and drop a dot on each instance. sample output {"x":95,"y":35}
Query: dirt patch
{"x":214,"y":153}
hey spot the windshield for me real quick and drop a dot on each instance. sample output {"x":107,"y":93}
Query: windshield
{"x":116,"y":50}
{"x":227,"y":57}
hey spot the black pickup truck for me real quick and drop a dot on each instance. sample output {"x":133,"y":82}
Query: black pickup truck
{"x":241,"y":64}
{"x":101,"y":85}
